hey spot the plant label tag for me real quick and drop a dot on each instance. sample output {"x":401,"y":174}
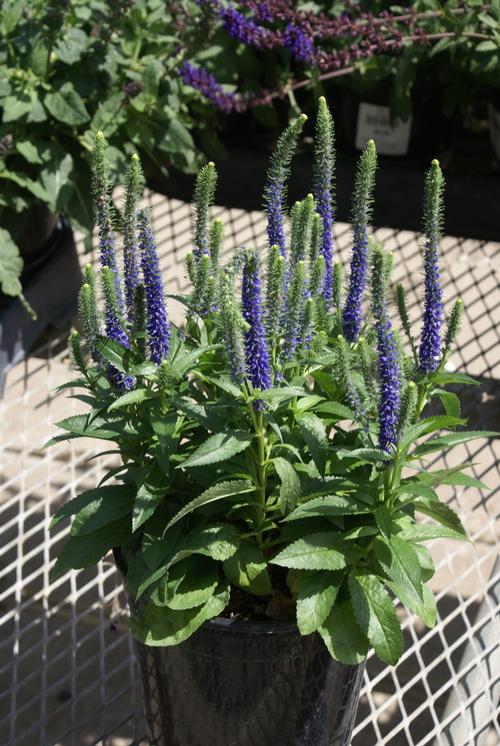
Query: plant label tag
{"x":495,"y":130}
{"x":374,"y":123}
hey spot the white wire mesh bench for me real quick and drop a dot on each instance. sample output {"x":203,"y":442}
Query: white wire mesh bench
{"x":67,"y":673}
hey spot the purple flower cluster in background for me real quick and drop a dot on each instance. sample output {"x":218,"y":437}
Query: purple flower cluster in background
{"x":256,"y":349}
{"x":206,"y":84}
{"x":157,"y":321}
{"x":301,"y":46}
{"x":246,"y":30}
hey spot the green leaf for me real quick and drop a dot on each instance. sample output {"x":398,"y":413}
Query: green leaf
{"x":399,"y":561}
{"x":452,"y":477}
{"x":87,"y":498}
{"x":157,"y":626}
{"x":84,"y":551}
{"x":12,"y":12}
{"x":342,"y":636}
{"x":450,"y":402}
{"x":199,"y":413}
{"x":247,"y":569}
{"x":339,"y":411}
{"x":447,"y":441}
{"x":56,"y":180}
{"x":316,"y":595}
{"x":441,"y":513}
{"x":487,"y":46}
{"x":425,"y":561}
{"x":15,"y":107}
{"x":149,"y":495}
{"x":320,"y":551}
{"x":218,"y":447}
{"x":219,"y":491}
{"x":363,"y":454}
{"x":428,"y":425}
{"x":428,"y":531}
{"x":443,"y":379}
{"x":282,"y":393}
{"x":290,"y":485}
{"x":70,"y":48}
{"x":328,"y":506}
{"x":189,"y":583}
{"x":108,"y":503}
{"x":11,"y":265}
{"x":376,"y":616}
{"x":67,"y":106}
{"x":112,"y":352}
{"x":359,"y":531}
{"x":314,"y":433}
{"x":383,"y":519}
{"x":131,"y":397}
{"x":29,"y":151}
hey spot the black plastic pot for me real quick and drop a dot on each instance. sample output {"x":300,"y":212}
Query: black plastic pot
{"x":51,"y":279}
{"x":248,"y":684}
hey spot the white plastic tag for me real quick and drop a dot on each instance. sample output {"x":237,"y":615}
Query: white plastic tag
{"x":374,"y":123}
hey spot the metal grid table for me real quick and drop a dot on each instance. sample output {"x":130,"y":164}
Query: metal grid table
{"x":67,"y":673}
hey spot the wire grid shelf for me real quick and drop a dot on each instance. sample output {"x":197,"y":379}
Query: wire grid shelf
{"x":67,"y":671}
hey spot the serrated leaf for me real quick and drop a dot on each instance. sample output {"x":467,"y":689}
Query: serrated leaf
{"x":316,"y":595}
{"x":314,"y":433}
{"x":290,"y":485}
{"x":108,"y":503}
{"x":376,"y":616}
{"x":328,"y":506}
{"x":112,"y":352}
{"x":425,"y":561}
{"x":320,"y":551}
{"x":342,"y":636}
{"x":66,"y":105}
{"x":219,"y":491}
{"x":452,"y":476}
{"x":447,"y":378}
{"x":441,"y":513}
{"x":189,"y":583}
{"x":428,"y":532}
{"x":383,"y":519}
{"x":337,"y":410}
{"x":428,"y":425}
{"x":247,"y":569}
{"x":218,"y":447}
{"x":363,"y":454}
{"x":398,"y":559}
{"x":131,"y":397}
{"x":156,"y":626}
{"x":198,"y":413}
{"x":447,"y":441}
{"x":450,"y":402}
{"x":84,"y":551}
{"x":149,"y":495}
{"x":282,"y":393}
{"x":70,"y":48}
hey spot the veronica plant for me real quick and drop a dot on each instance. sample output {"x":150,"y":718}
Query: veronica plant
{"x":270,"y":464}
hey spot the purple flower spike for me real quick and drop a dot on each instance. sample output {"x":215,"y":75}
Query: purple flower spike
{"x":257,"y":353}
{"x":363,"y":196}
{"x":389,"y":384}
{"x":324,"y":163}
{"x":430,"y":345}
{"x":157,"y":321}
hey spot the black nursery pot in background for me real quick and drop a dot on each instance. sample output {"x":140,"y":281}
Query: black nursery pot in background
{"x":248,"y":684}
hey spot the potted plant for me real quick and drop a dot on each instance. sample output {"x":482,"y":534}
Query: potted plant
{"x":265,"y":513}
